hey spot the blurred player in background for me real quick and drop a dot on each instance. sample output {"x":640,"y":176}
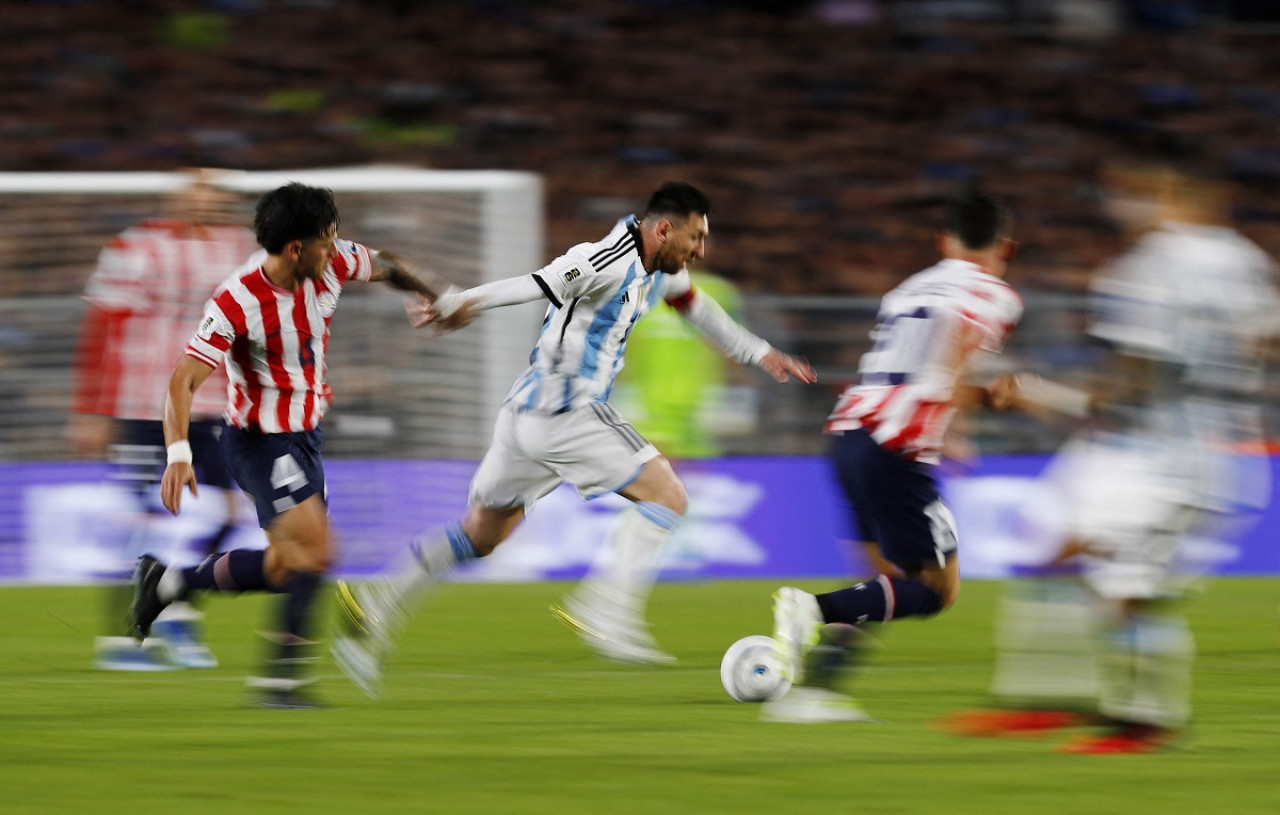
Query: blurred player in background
{"x":556,"y":425}
{"x":888,"y":431}
{"x":1173,"y":456}
{"x":1046,"y":675}
{"x":677,"y":385}
{"x":270,"y":321}
{"x":150,"y":286}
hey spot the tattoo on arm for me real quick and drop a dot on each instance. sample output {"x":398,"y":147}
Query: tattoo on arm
{"x":394,"y":270}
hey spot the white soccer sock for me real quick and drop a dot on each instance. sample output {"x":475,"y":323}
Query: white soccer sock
{"x":1148,"y":676}
{"x":172,"y":584}
{"x":1044,"y":648}
{"x":624,"y":572}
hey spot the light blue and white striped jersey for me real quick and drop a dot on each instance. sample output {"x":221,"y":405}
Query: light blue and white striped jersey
{"x":597,"y":292}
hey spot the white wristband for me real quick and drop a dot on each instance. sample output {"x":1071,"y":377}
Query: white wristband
{"x":179,"y":452}
{"x":449,"y":301}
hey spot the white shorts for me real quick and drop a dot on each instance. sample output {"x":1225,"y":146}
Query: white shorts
{"x":592,"y":448}
{"x":1136,"y":499}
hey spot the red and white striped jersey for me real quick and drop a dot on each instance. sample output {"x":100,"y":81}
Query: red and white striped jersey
{"x":275,"y":341}
{"x":150,"y":286}
{"x":926,"y":329}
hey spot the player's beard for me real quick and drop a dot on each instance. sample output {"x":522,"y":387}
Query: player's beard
{"x":667,"y":264}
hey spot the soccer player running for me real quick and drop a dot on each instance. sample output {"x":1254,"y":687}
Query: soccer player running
{"x":556,"y":425}
{"x":1172,"y":452}
{"x":150,"y":286}
{"x":270,"y":323}
{"x":888,"y":431}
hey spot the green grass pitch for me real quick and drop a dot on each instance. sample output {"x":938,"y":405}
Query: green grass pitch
{"x":491,"y":706}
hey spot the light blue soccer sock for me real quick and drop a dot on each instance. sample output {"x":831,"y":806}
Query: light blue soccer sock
{"x":426,"y":561}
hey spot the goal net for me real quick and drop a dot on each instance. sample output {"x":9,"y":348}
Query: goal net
{"x":398,"y":392}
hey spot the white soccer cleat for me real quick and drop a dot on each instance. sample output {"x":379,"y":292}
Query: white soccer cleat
{"x":125,"y":654}
{"x":358,"y":663}
{"x":612,"y":636}
{"x":802,"y":705}
{"x":797,"y":621}
{"x":182,"y":641}
{"x":362,"y":637}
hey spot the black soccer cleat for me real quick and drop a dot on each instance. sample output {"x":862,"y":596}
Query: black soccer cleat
{"x":147,"y":604}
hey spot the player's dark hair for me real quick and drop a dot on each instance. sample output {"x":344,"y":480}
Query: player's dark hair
{"x":978,"y":219}
{"x":678,"y":198}
{"x":294,"y":212}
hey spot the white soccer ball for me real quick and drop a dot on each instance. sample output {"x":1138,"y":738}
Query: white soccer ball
{"x":751,"y":672}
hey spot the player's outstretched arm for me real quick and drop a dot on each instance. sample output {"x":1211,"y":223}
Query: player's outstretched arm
{"x":1031,"y":392}
{"x":457,"y":308}
{"x":396,"y":271}
{"x":736,"y":342}
{"x":178,"y":473}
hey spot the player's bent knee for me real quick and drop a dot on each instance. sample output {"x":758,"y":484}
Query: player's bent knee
{"x":672,"y":495}
{"x":678,"y":500}
{"x":486,"y":527}
{"x":659,"y":484}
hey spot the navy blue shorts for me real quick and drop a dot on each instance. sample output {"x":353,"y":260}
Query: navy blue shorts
{"x":278,"y":470}
{"x":894,"y":502}
{"x":138,"y":458}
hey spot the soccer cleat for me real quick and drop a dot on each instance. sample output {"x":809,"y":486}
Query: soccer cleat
{"x":616,"y":638}
{"x":283,"y":683}
{"x":181,"y":640}
{"x":146,"y":605}
{"x":797,"y":621}
{"x":358,"y":663}
{"x":282,"y":694}
{"x":1124,"y":739}
{"x":997,"y":722}
{"x":360,"y":640}
{"x":354,"y":619}
{"x":802,"y":705}
{"x":123,"y":654}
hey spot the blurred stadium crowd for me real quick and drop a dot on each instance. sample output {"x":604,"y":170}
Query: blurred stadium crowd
{"x":825,"y":130}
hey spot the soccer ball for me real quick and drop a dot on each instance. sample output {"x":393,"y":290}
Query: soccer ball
{"x":751,"y":672}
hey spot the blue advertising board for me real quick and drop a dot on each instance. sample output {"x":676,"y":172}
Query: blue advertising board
{"x":748,"y":517}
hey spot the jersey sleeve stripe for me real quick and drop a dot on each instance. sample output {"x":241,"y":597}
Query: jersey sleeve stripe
{"x":341,"y":268}
{"x":555,"y":301}
{"x":364,"y":263}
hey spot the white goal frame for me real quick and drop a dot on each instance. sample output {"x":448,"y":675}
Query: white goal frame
{"x":457,"y":382}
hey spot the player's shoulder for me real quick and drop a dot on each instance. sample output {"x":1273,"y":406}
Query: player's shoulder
{"x":244,"y":277}
{"x":976,"y":286}
{"x":137,"y":236}
{"x":996,"y":288}
{"x":622,"y":243}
